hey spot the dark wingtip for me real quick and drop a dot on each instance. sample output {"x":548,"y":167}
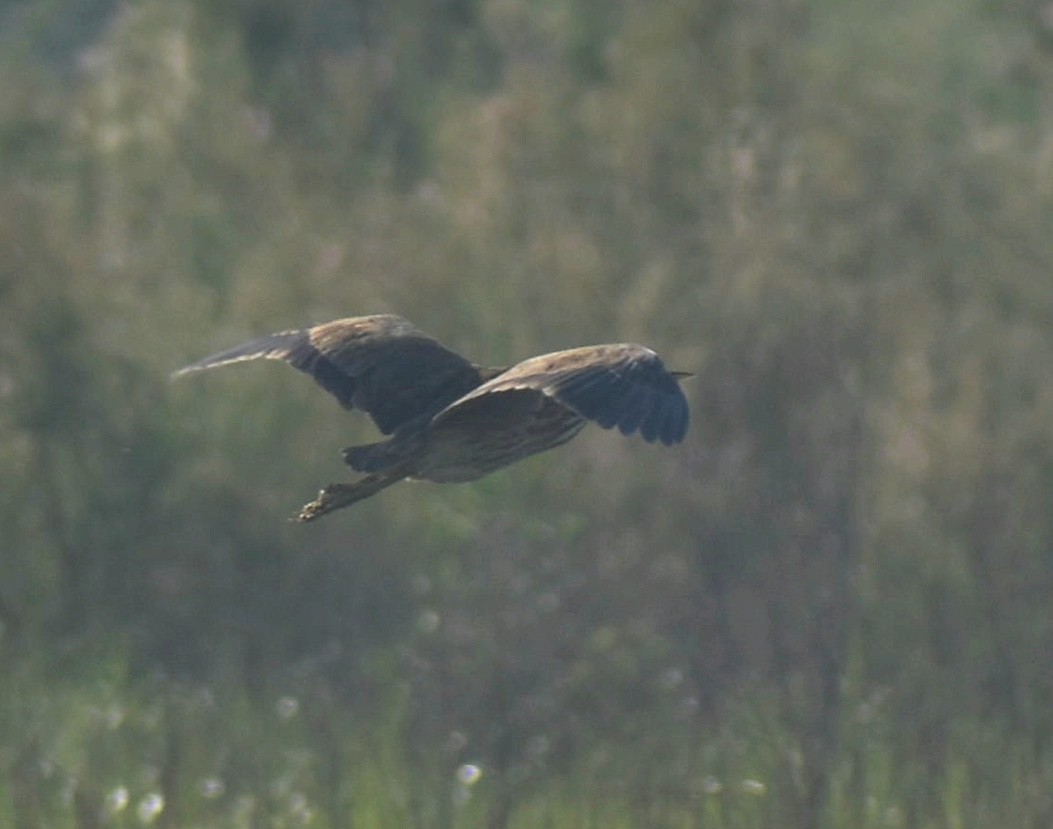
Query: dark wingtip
{"x":646,"y":400}
{"x":668,"y":421}
{"x":674,"y":430}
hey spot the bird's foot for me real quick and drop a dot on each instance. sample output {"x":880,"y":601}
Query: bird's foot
{"x":338,"y":496}
{"x":328,"y":500}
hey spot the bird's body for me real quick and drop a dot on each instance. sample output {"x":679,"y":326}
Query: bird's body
{"x":474,"y":441}
{"x":450,"y":420}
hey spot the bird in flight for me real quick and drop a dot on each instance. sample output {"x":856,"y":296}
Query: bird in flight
{"x":450,"y":420}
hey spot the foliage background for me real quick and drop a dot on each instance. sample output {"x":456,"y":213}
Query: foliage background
{"x":830,"y":607}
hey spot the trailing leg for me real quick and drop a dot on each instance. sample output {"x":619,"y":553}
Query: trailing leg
{"x":338,"y":496}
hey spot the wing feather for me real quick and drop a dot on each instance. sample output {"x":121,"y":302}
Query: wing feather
{"x":623,"y":385}
{"x":381,"y":364}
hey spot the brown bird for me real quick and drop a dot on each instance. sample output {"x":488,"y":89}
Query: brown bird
{"x":452,"y":420}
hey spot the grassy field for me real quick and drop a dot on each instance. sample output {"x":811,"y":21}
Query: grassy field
{"x":89,"y":743}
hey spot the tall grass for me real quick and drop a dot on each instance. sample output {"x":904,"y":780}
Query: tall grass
{"x":90,"y":742}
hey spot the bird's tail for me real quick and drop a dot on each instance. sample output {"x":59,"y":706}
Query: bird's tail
{"x":338,"y":496}
{"x":373,"y":457}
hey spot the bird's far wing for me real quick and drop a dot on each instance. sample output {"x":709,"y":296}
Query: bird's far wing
{"x":623,"y":385}
{"x":380,"y":364}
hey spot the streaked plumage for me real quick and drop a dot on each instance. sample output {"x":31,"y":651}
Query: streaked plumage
{"x":452,"y":420}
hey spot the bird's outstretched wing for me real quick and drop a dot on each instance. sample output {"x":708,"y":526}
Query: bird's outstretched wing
{"x":380,"y":364}
{"x":623,"y":385}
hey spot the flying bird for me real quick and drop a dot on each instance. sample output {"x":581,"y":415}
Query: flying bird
{"x":450,"y":420}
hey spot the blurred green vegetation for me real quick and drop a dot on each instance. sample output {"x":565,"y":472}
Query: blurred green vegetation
{"x":829,"y":608}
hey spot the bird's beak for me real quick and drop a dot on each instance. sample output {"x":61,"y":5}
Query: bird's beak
{"x":680,"y":375}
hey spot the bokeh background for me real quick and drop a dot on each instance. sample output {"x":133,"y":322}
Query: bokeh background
{"x":832,"y":606}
